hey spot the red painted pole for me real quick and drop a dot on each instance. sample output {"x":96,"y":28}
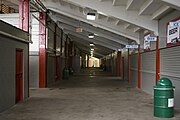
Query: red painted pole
{"x":139,"y":68}
{"x":55,"y":58}
{"x":24,"y":23}
{"x":129,"y":67}
{"x":157,"y":60}
{"x":66,"y":51}
{"x":122,"y":68}
{"x":42,"y":50}
{"x":24,"y":15}
{"x":118,"y":63}
{"x":61,"y":42}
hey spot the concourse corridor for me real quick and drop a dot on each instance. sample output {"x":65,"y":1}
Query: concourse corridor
{"x":90,"y":95}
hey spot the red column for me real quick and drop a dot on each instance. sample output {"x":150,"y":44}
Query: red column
{"x":139,"y":68}
{"x":24,"y":23}
{"x":122,"y":68}
{"x":24,"y":15}
{"x":66,"y":51}
{"x":42,"y":50}
{"x":129,"y":67}
{"x":118,"y":63}
{"x":61,"y":42}
{"x":70,"y":48}
{"x":56,"y":59}
{"x":157,"y":60}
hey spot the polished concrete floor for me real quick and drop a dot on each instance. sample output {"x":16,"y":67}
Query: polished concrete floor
{"x":91,"y":95}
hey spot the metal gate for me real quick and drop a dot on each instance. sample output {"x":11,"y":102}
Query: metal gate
{"x":148,"y":71}
{"x":134,"y":69}
{"x":170,"y":68}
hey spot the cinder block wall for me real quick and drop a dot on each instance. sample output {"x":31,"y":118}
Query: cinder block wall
{"x":8,"y":70}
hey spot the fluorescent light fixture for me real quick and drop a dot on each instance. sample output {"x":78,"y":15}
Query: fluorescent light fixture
{"x":92,"y":49}
{"x":119,"y":49}
{"x":91,"y":44}
{"x":91,"y":36}
{"x":91,"y":16}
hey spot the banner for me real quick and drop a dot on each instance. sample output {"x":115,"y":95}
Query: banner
{"x":173,"y":33}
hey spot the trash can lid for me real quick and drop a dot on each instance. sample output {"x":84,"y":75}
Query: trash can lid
{"x":164,"y":83}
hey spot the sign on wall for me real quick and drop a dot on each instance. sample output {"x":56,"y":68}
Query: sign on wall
{"x":147,"y":43}
{"x":132,"y":46}
{"x":173,"y":33}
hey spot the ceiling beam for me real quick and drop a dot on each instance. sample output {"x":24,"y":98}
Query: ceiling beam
{"x":160,"y":12}
{"x":145,"y":6}
{"x":100,"y":48}
{"x":118,"y":2}
{"x":119,"y":30}
{"x":85,"y":33}
{"x":121,"y":13}
{"x":91,"y":40}
{"x":129,"y":4}
{"x":102,"y":33}
{"x":173,"y":3}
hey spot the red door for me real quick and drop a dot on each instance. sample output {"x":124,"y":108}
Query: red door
{"x":19,"y":75}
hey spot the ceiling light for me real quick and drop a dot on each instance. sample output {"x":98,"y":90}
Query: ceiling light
{"x":91,"y":16}
{"x":91,"y":44}
{"x":91,"y":36}
{"x":92,"y":49}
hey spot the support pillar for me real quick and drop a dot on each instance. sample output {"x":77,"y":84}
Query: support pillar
{"x":129,"y":66}
{"x":70,"y":53}
{"x":66,"y":52}
{"x":157,"y":60}
{"x":122,"y":68}
{"x":139,"y":68}
{"x":118,"y":63}
{"x":24,"y":24}
{"x":42,"y":50}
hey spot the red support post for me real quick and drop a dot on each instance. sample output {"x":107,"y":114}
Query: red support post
{"x":139,"y":68}
{"x":129,"y":67}
{"x":61,"y":42}
{"x":24,"y":24}
{"x":157,"y":60}
{"x":55,"y":58}
{"x":24,"y":15}
{"x":118,"y":63}
{"x":42,"y":50}
{"x":122,"y":68}
{"x":66,"y":51}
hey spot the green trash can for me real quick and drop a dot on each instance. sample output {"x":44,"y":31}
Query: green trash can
{"x":65,"y":73}
{"x":164,"y":99}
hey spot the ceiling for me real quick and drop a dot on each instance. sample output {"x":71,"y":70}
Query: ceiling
{"x":117,"y":21}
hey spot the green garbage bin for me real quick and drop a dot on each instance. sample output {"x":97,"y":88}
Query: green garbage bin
{"x":65,"y":73}
{"x":164,"y":99}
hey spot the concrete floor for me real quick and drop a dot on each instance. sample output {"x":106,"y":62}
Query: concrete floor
{"x":92,"y":95}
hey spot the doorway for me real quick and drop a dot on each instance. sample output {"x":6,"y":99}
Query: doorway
{"x":19,"y":75}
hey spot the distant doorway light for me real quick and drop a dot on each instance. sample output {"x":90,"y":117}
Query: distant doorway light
{"x":91,"y":16}
{"x":79,"y":29}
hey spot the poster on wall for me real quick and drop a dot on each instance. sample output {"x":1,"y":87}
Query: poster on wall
{"x":173,"y":33}
{"x":147,"y":43}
